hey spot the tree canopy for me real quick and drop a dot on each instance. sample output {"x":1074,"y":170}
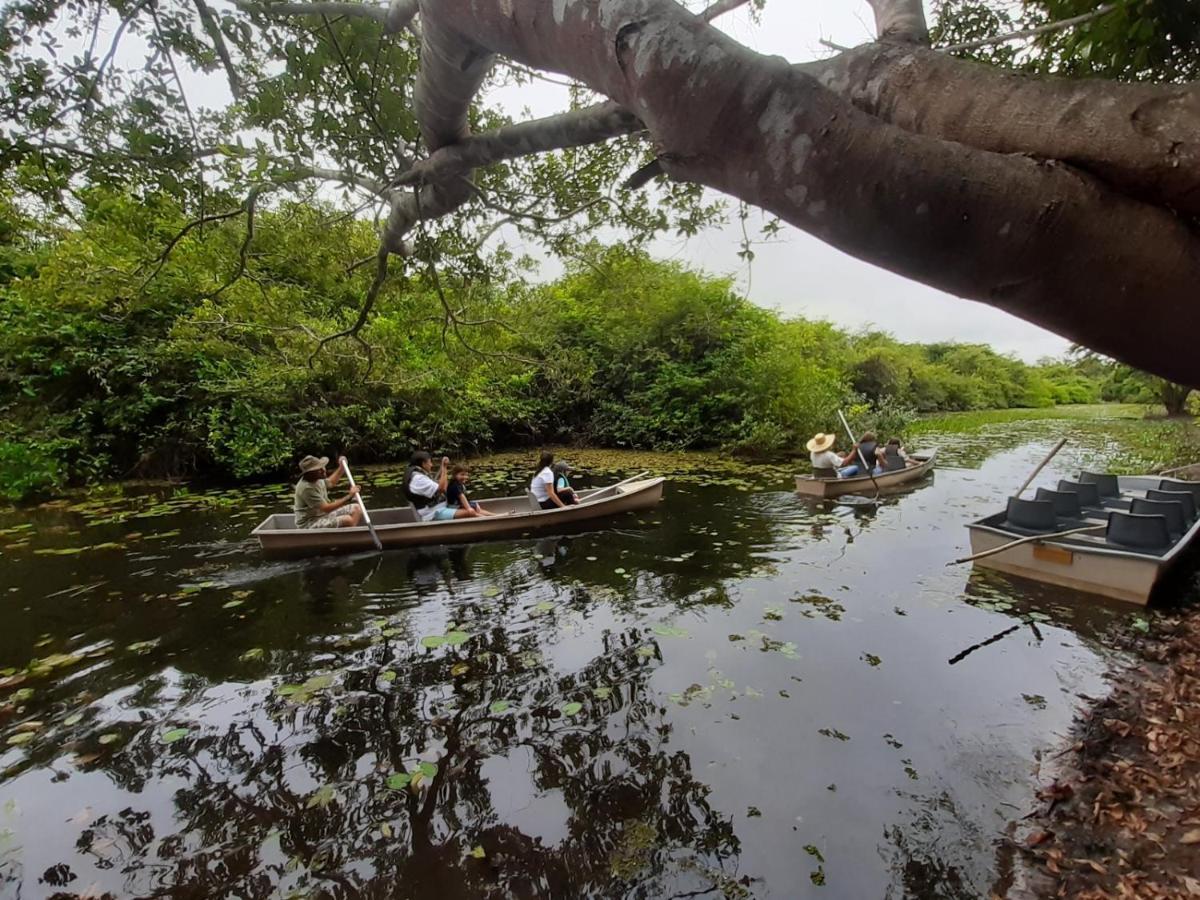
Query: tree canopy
{"x":1067,"y":200}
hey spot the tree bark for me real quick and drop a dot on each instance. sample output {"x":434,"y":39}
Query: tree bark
{"x":1142,"y":139}
{"x":1036,"y":238}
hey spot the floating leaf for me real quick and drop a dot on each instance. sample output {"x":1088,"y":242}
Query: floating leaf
{"x":23,"y":738}
{"x":142,"y":646}
{"x":23,"y":694}
{"x":321,"y":797}
{"x":833,"y":733}
{"x":387,"y":676}
{"x":73,"y":719}
{"x":812,"y":851}
{"x":602,"y":693}
{"x":427,"y":769}
{"x":457,"y":638}
{"x":390,"y":632}
{"x":753,"y":812}
{"x":478,"y":853}
{"x":109,"y":738}
{"x":491,"y":591}
{"x":670,"y":631}
{"x":254,"y":653}
{"x":398,"y":781}
{"x":460,"y":669}
{"x":570,"y":709}
{"x":645,"y":651}
{"x":433,"y":641}
{"x":499,"y":706}
{"x":773,"y":613}
{"x":287,"y":690}
{"x":871,"y":659}
{"x":175,"y":734}
{"x":618,"y":571}
{"x":232,"y":603}
{"x":317,"y":683}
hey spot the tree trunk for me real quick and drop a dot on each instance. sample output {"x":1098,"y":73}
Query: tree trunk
{"x":1038,"y":238}
{"x":1174,"y":398}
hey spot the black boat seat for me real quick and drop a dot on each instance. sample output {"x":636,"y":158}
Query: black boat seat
{"x":1174,"y":484}
{"x":1183,"y":498}
{"x":1089,"y":492}
{"x":824,"y":474}
{"x":1170,"y":510}
{"x":1138,"y":531}
{"x":1106,"y":484}
{"x":1035,"y":515}
{"x":1065,"y":503}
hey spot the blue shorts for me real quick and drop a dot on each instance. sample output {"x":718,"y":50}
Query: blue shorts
{"x":444,"y":514}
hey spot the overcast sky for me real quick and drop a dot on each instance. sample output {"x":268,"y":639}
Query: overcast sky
{"x":797,"y":275}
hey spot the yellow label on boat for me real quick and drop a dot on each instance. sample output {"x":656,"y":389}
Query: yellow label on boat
{"x":1053,"y":554}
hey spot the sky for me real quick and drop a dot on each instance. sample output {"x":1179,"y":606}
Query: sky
{"x":799,"y":275}
{"x":795,"y":274}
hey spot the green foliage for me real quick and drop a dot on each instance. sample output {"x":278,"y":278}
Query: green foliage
{"x":106,"y":371}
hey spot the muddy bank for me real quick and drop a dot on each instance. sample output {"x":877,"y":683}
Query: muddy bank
{"x":1121,"y":816}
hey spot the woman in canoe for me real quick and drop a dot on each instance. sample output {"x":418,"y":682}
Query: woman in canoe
{"x":543,"y":488}
{"x":312,"y":505}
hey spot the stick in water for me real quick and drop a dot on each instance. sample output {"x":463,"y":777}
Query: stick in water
{"x":1041,"y":465}
{"x":1025,"y":540}
{"x":362,"y":506}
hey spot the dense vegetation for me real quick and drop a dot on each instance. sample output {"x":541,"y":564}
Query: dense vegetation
{"x":107,"y":372}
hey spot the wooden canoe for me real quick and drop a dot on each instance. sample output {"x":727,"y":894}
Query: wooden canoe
{"x":1090,"y":563}
{"x":919,"y":465}
{"x":400,"y":527}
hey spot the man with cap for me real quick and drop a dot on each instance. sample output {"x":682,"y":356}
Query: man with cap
{"x":312,"y":505}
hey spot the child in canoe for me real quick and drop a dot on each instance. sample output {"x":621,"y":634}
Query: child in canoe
{"x":456,"y":494}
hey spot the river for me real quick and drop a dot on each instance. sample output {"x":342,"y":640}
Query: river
{"x":741,"y":694}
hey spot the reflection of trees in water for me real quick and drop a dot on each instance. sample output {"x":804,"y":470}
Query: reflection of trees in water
{"x":248,"y":821}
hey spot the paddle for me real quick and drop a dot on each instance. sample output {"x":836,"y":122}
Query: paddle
{"x":362,"y":506}
{"x":1040,"y":466}
{"x":1025,"y":540}
{"x":861,"y":459}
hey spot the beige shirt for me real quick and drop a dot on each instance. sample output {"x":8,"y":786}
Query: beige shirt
{"x":826,"y":459}
{"x":310,"y":497}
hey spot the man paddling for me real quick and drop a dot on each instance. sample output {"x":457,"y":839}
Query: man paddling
{"x":312,"y":505}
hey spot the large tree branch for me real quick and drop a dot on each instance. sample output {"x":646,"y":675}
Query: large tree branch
{"x":576,"y":128}
{"x":1037,"y":239}
{"x":1142,"y":139}
{"x":395,"y":17}
{"x":900,"y":22}
{"x":213,"y":27}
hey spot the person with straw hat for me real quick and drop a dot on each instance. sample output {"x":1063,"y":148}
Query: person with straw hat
{"x":312,"y":505}
{"x":822,"y":455}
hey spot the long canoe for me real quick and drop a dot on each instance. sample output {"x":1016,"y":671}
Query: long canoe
{"x":1094,"y":562}
{"x":400,"y":526}
{"x":919,"y":465}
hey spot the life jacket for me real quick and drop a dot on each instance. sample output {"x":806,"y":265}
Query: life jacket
{"x":867,"y":449}
{"x":420,"y":501}
{"x":892,"y":460}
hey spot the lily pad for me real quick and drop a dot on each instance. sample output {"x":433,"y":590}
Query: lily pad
{"x":387,"y":675}
{"x":232,"y":603}
{"x":73,"y":719}
{"x":618,"y":571}
{"x":254,"y":653}
{"x":570,"y":709}
{"x":109,"y":738}
{"x":23,"y":738}
{"x":427,"y":769}
{"x":433,"y":641}
{"x":670,"y":631}
{"x":318,"y":682}
{"x":478,"y":853}
{"x":645,"y":651}
{"x":398,"y":781}
{"x":491,"y":591}
{"x":457,"y":638}
{"x":602,"y":693}
{"x":459,"y":669}
{"x":321,"y":797}
{"x":175,"y":734}
{"x":287,"y":690}
{"x":499,"y":706}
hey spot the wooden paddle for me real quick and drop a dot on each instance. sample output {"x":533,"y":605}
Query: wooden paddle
{"x":1040,"y":466}
{"x":1025,"y":540}
{"x":861,"y":459}
{"x":362,"y":506}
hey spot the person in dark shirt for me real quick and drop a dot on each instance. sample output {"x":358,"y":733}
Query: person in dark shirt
{"x":456,"y":494}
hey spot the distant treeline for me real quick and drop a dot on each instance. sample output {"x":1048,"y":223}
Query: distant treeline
{"x":117,"y":361}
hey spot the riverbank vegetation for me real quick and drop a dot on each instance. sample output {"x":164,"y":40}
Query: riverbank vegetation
{"x":119,"y":359}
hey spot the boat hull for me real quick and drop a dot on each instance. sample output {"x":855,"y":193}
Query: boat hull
{"x":279,"y":541}
{"x":824,"y":488}
{"x":1081,"y":563}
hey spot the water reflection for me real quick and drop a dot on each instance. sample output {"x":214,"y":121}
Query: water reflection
{"x":741,"y":693}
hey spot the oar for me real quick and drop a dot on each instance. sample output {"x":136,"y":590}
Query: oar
{"x":1025,"y":540}
{"x":862,"y":459}
{"x":1040,"y":466}
{"x":362,"y":506}
{"x":631,"y":478}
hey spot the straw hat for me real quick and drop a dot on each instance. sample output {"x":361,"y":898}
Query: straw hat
{"x":310,"y":463}
{"x":820,"y":442}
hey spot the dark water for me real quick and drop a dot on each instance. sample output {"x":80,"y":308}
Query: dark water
{"x":740,"y":694}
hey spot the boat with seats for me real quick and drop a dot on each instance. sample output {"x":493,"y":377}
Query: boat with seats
{"x":1112,"y":535}
{"x":824,"y":484}
{"x":401,"y":527}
